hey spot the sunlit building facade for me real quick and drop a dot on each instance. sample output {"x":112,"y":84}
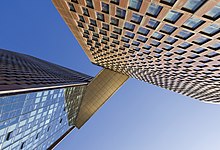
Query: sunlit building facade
{"x":173,"y":44}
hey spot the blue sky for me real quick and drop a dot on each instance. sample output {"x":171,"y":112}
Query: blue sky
{"x":139,"y":116}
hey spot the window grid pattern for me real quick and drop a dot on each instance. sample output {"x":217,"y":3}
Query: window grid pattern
{"x":172,"y":66}
{"x":36,"y":120}
{"x":20,"y":71}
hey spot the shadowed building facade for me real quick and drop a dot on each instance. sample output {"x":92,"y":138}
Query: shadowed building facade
{"x":173,"y":44}
{"x":41,"y":102}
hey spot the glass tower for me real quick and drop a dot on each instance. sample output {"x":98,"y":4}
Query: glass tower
{"x":37,"y":120}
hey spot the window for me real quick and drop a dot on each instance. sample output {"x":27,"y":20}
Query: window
{"x":135,"y":4}
{"x":72,"y":8}
{"x":135,"y":43}
{"x":129,"y":34}
{"x":193,"y":23}
{"x":168,"y":47}
{"x":180,"y":52}
{"x":120,"y":13}
{"x":105,"y":8}
{"x":157,"y":50}
{"x":168,"y":29}
{"x":125,"y":39}
{"x":91,"y":28}
{"x":105,"y":38}
{"x":168,"y":2}
{"x":157,"y":35}
{"x":114,"y":36}
{"x":9,"y":136}
{"x":143,"y":31}
{"x":214,"y":13}
{"x":193,"y":5}
{"x":155,"y":43}
{"x":37,"y":136}
{"x":185,"y":45}
{"x":152,"y":24}
{"x":105,"y":26}
{"x":199,"y":50}
{"x":146,"y":46}
{"x":136,"y":18}
{"x":89,"y":3}
{"x":93,"y":22}
{"x":212,"y":54}
{"x":129,"y":26}
{"x":96,"y":34}
{"x":48,"y":129}
{"x":127,"y":45}
{"x":114,"y":21}
{"x":81,"y":18}
{"x":85,"y":11}
{"x":170,"y":40}
{"x":80,"y":24}
{"x":183,"y":34}
{"x":115,"y":2}
{"x":153,"y":10}
{"x":102,"y":32}
{"x":137,"y":49}
{"x":172,"y":16}
{"x":117,"y":30}
{"x":141,"y":38}
{"x":22,"y":145}
{"x":211,"y":30}
{"x":116,"y":42}
{"x":215,"y":46}
{"x":201,"y":40}
{"x":100,"y":16}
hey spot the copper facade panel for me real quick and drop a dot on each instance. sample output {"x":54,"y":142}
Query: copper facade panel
{"x":193,"y":59}
{"x":99,"y":90}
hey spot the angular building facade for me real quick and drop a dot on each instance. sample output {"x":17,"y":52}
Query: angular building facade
{"x":40,"y":102}
{"x":173,"y":44}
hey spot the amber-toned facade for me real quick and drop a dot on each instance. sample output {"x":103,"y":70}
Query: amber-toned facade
{"x":170,"y":43}
{"x":41,"y":102}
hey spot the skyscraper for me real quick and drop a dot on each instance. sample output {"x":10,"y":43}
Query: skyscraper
{"x":42,"y":102}
{"x":169,"y":43}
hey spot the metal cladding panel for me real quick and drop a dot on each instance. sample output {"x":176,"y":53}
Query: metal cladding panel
{"x":22,"y":73}
{"x":172,"y":44}
{"x":98,"y":91}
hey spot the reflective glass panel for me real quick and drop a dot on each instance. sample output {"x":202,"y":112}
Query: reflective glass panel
{"x":152,"y":23}
{"x":193,"y":5}
{"x":212,"y":29}
{"x":89,"y":3}
{"x":193,"y":23}
{"x":136,"y":18}
{"x":157,"y":35}
{"x":120,"y":13}
{"x":172,"y":16}
{"x":135,"y":4}
{"x":154,"y":10}
{"x":129,"y":26}
{"x":100,"y":16}
{"x":168,"y":29}
{"x":184,"y":34}
{"x":105,"y":7}
{"x":143,"y":31}
{"x":129,"y":34}
{"x":201,"y":40}
{"x":214,"y":13}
